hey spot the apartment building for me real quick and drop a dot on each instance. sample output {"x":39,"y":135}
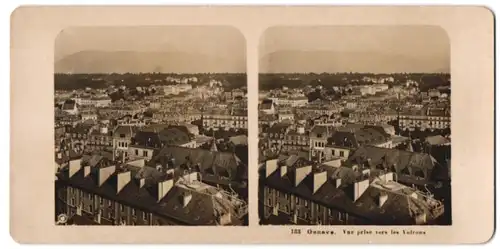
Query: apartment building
{"x":307,"y":194}
{"x":109,"y":194}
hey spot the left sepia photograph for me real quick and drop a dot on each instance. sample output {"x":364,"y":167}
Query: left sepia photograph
{"x":150,"y":126}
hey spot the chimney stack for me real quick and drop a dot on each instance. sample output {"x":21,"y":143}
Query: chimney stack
{"x":105,"y":173}
{"x":271,"y":166}
{"x":122,"y":179}
{"x":338,"y":182}
{"x":86,"y":171}
{"x":382,"y":199}
{"x":164,"y":187}
{"x":74,"y":166}
{"x":359,"y":188}
{"x":318,"y":180}
{"x":186,"y":198}
{"x":301,"y":173}
{"x":283,"y":170}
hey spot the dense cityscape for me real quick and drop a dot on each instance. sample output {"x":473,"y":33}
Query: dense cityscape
{"x":354,"y":149}
{"x":151,"y":149}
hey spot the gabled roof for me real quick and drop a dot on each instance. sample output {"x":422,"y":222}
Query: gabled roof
{"x":199,"y":210}
{"x":219,"y":164}
{"x":399,"y":159}
{"x":397,"y":210}
{"x":69,"y":105}
{"x":126,"y":130}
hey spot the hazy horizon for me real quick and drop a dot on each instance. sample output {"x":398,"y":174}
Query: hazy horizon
{"x":169,"y":49}
{"x":357,"y":49}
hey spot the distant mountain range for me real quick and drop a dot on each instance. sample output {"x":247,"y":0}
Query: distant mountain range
{"x":136,"y":62}
{"x":332,"y":61}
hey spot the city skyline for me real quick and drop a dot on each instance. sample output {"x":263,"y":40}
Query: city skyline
{"x":360,"y":49}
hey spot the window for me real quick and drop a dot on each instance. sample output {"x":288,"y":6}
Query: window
{"x":297,"y":200}
{"x":110,"y":204}
{"x":145,"y":153}
{"x":101,"y":200}
{"x":269,"y":202}
{"x":286,"y":196}
{"x":91,"y":197}
{"x":144,"y":215}
{"x":305,"y":203}
{"x":133,"y":211}
{"x":122,"y":208}
{"x":342,"y":154}
{"x":136,"y":152}
{"x":91,"y":208}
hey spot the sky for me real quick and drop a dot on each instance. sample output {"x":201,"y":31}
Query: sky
{"x":376,"y":49}
{"x":226,"y":44}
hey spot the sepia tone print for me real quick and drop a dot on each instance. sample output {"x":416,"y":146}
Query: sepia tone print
{"x":354,"y":126}
{"x":151,"y":126}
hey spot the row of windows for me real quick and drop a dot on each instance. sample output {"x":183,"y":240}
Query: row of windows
{"x":424,"y":117}
{"x":101,"y":202}
{"x":144,"y":153}
{"x":79,"y":135}
{"x":307,"y":214}
{"x":319,"y":144}
{"x":227,"y":118}
{"x":341,"y":153}
{"x":123,"y":144}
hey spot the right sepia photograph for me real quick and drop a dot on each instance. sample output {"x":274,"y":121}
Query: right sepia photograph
{"x":354,"y":126}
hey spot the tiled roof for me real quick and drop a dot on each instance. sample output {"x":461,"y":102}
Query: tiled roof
{"x":400,"y":159}
{"x":219,"y":164}
{"x":395,"y":211}
{"x":69,"y":105}
{"x":127,"y":131}
{"x":199,"y":211}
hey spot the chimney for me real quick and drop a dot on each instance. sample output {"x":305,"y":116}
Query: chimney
{"x":86,"y":171}
{"x":382,"y":198}
{"x":360,"y":188}
{"x":122,"y":179}
{"x":186,"y":198}
{"x":283,"y":170}
{"x":164,"y":187}
{"x":74,"y":166}
{"x":318,"y":180}
{"x":105,"y":173}
{"x":271,"y":166}
{"x":301,"y":173}
{"x":338,"y":182}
